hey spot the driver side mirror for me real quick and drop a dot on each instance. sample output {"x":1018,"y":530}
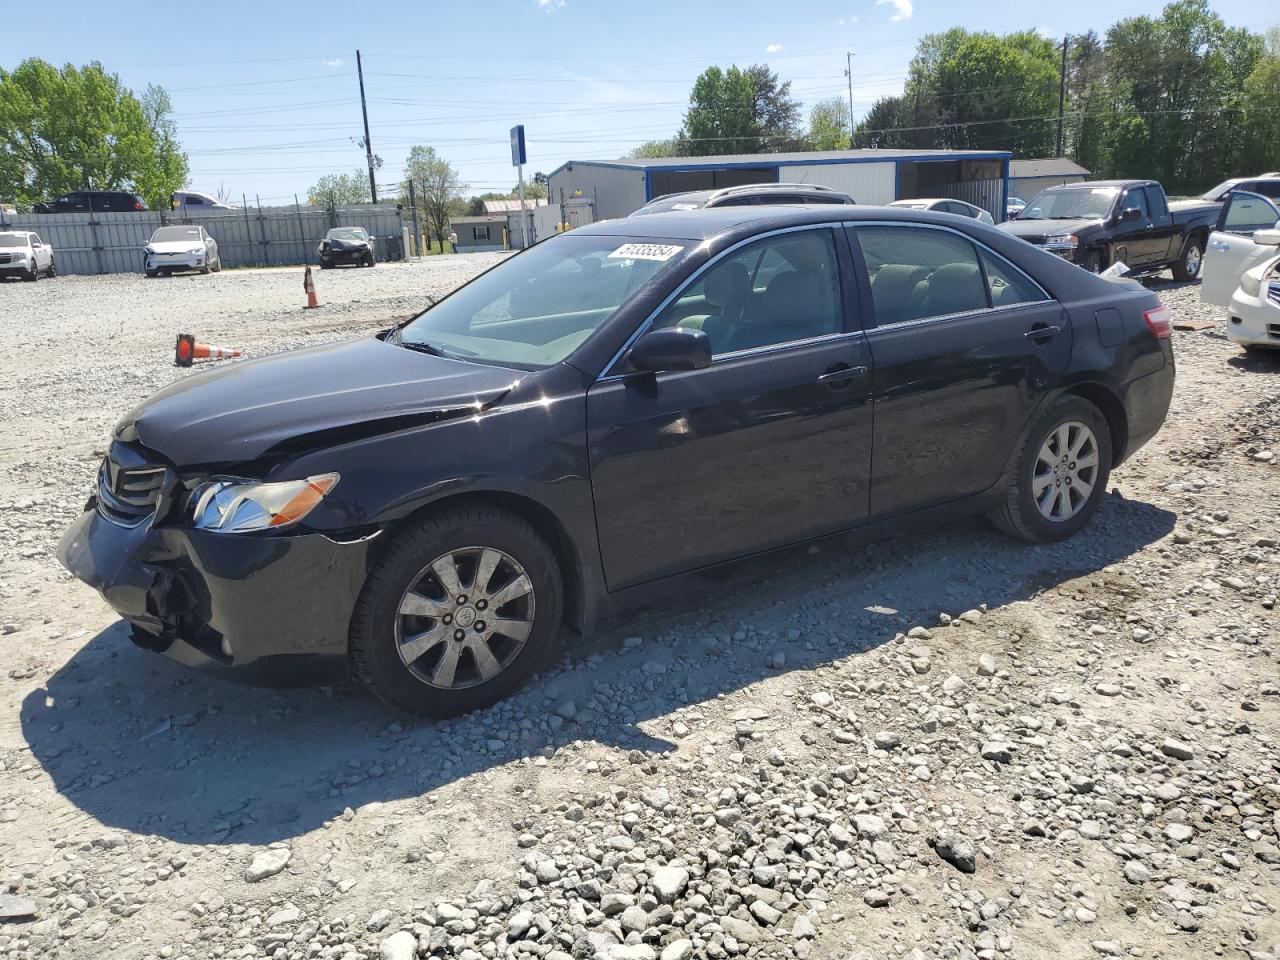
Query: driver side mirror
{"x":1269,"y":237}
{"x":1129,"y":214}
{"x":672,"y":348}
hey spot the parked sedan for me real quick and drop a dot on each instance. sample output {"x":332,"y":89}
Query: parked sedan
{"x":594,"y":420}
{"x":181,"y":248}
{"x":350,"y":245}
{"x":945,"y":205}
{"x":24,"y":254}
{"x":1014,"y":206}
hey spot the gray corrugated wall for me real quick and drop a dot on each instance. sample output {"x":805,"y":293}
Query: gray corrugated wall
{"x":617,"y":191}
{"x":87,"y":243}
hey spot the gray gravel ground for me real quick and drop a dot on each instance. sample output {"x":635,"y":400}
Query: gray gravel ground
{"x":948,"y":746}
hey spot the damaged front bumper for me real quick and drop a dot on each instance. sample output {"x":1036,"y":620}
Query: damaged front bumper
{"x":269,"y":610}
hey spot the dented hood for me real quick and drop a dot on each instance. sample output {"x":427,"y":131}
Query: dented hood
{"x":308,"y":398}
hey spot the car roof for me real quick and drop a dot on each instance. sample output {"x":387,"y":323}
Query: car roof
{"x":903,"y":203}
{"x":1103,"y":184}
{"x":710,"y":222}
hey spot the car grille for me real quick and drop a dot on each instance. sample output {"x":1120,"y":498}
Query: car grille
{"x":6,"y":257}
{"x":129,"y":494}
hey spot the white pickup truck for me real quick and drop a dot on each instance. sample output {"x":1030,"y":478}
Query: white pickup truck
{"x":24,"y":254}
{"x":1242,"y":270}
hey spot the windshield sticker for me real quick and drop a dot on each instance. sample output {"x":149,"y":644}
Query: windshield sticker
{"x":645,"y":251}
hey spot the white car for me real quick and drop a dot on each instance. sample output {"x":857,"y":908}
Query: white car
{"x":181,"y":248}
{"x":24,"y":254}
{"x":1241,"y":270}
{"x":946,"y":205}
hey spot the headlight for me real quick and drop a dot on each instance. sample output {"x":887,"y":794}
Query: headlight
{"x":1068,"y":239}
{"x":150,"y":251}
{"x":229,"y":505}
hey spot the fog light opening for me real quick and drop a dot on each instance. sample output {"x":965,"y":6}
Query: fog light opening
{"x":226,"y":648}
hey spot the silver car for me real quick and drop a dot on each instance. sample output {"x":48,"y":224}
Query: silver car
{"x":181,"y":248}
{"x":947,"y":205}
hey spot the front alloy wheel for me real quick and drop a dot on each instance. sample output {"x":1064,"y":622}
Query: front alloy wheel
{"x":463,"y":604}
{"x":465,"y":618}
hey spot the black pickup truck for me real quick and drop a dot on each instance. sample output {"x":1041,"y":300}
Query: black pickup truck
{"x":1099,"y":222}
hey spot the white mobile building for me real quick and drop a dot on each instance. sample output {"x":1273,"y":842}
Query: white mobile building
{"x":617,"y":188}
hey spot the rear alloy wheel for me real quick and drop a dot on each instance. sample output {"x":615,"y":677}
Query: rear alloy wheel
{"x":463,"y":606}
{"x":1188,"y":266}
{"x":1061,"y":474}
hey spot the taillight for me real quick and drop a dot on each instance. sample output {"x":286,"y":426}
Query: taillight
{"x":137,"y":205}
{"x":1160,"y":320}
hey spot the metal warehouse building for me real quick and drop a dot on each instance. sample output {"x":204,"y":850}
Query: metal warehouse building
{"x":619,"y":187}
{"x":1029,"y":177}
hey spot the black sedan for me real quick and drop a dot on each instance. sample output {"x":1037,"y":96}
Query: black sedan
{"x":610,"y":410}
{"x":349,"y":245}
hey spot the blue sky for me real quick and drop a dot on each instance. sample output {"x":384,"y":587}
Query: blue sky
{"x":266,"y":98}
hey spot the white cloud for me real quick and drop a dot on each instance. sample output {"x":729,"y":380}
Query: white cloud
{"x":335,"y":62}
{"x":773,"y":48}
{"x":902,"y":8}
{"x":550,"y":6}
{"x":846,"y":20}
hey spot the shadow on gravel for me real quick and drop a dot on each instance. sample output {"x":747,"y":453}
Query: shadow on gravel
{"x":141,"y":744}
{"x":1257,"y":362}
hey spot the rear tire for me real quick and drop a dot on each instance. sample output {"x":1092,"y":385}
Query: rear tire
{"x":450,"y":627}
{"x":1050,"y":466}
{"x":1189,"y":261}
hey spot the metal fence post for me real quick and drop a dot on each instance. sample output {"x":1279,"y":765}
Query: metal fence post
{"x":262,"y":232}
{"x":248,"y":234}
{"x":302,"y":235}
{"x":93,"y":237}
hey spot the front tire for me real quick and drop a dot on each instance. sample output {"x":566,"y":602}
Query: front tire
{"x":462,"y":607}
{"x":1190,"y":261}
{"x":33,"y":274}
{"x":1061,"y":474}
{"x":1092,"y":261}
{"x":52,"y":271}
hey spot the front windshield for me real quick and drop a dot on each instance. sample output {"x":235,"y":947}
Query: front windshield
{"x":693,"y":200}
{"x":12,"y":240}
{"x":1074,"y":204}
{"x":176,"y":235}
{"x":1217,"y":192}
{"x":534,"y":309}
{"x":347,"y":233}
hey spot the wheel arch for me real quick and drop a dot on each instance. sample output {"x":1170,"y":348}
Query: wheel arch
{"x":1112,"y":407}
{"x":578,"y":605}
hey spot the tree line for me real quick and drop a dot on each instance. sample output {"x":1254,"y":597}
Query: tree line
{"x":1180,"y":97}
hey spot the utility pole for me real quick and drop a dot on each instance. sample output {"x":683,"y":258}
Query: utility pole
{"x":1062,"y":93}
{"x":848,"y":72}
{"x":368,"y":147}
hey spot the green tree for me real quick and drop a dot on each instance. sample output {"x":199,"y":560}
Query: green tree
{"x":658,"y":148}
{"x":721,"y":116}
{"x":437,"y":187}
{"x":775,"y":111}
{"x":340,"y":189}
{"x":829,"y":124}
{"x":1261,"y":118}
{"x":81,"y":128}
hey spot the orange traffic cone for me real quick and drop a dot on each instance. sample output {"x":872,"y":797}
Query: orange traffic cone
{"x":188,"y":350}
{"x":309,"y":285}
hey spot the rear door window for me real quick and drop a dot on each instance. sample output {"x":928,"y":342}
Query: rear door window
{"x":921,"y":272}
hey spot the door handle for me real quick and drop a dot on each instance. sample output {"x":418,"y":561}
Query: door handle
{"x":1043,"y":331}
{"x":842,"y":372}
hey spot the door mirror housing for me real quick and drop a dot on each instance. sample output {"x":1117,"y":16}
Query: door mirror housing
{"x":1130,"y":214}
{"x":672,"y":348}
{"x":1268,"y":238}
